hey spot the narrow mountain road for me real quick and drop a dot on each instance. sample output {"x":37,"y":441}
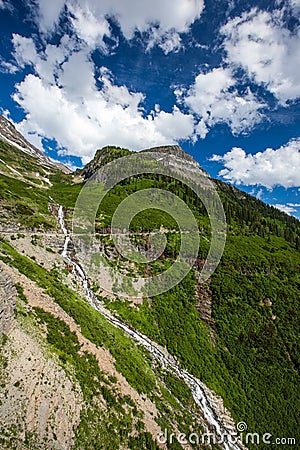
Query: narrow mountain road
{"x":200,"y":392}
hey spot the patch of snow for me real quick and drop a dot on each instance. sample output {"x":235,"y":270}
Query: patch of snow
{"x":47,"y":181}
{"x":11,"y":168}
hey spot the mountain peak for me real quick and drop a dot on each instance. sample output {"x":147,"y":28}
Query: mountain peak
{"x":169,"y":149}
{"x":168,"y":154}
{"x":9,"y":134}
{"x":102,"y":157}
{"x":174,"y":155}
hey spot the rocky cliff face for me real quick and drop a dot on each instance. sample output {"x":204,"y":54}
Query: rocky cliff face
{"x":8,"y":295}
{"x":174,"y":150}
{"x":177,"y":159}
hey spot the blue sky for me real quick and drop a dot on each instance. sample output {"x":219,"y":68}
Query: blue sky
{"x":221,"y":78}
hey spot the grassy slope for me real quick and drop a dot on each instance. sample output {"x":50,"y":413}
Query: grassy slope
{"x":26,"y":198}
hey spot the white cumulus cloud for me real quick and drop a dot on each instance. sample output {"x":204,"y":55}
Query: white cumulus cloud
{"x":214,"y":99}
{"x":259,"y":194}
{"x":270,"y":168}
{"x":269,"y":53}
{"x":6,"y":4}
{"x":90,"y":27}
{"x":49,"y":13}
{"x":168,"y":42}
{"x":8,"y":67}
{"x":24,"y":50}
{"x":285,"y":208}
{"x":294,"y":5}
{"x":162,"y":20}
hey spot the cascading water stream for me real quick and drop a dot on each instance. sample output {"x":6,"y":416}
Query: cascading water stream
{"x":65,"y":254}
{"x":167,"y":361}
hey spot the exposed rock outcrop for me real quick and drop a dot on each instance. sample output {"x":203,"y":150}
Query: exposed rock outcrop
{"x":8,"y":297}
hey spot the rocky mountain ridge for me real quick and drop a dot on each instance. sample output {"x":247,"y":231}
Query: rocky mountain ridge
{"x":172,"y":156}
{"x":9,"y":134}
